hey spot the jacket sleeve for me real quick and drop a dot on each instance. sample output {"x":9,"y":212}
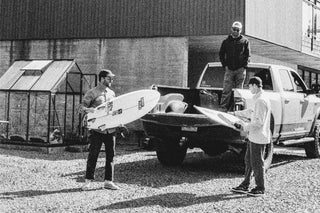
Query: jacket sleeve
{"x":246,"y":54}
{"x":258,"y":118}
{"x":246,"y":113}
{"x":86,"y":102}
{"x":222,"y":54}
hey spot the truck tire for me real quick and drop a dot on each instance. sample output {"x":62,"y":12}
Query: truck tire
{"x":312,"y":149}
{"x":268,"y":156}
{"x":171,"y":154}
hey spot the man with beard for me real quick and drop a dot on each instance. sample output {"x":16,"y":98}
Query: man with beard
{"x":234,"y":56}
{"x":93,"y":98}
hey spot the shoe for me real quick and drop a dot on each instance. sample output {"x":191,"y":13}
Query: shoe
{"x":87,"y":185}
{"x":240,"y":189}
{"x":256,"y":192}
{"x":110,"y":185}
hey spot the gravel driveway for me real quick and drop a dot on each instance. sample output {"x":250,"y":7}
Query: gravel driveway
{"x":34,"y":182}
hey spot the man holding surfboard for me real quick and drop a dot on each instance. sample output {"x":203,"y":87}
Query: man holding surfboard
{"x":259,"y":134}
{"x":93,"y":98}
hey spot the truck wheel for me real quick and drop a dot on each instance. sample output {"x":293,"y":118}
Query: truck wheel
{"x":312,"y":149}
{"x":268,"y":155}
{"x":171,"y":155}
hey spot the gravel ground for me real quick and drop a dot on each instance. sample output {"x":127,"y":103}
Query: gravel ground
{"x":34,"y":182}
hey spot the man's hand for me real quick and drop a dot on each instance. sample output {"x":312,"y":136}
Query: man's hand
{"x":238,"y":126}
{"x":123,"y":130}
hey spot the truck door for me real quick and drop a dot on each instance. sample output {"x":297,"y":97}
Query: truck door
{"x":291,"y":106}
{"x":307,"y":104}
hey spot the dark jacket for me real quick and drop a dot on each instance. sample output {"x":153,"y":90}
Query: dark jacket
{"x":235,"y":52}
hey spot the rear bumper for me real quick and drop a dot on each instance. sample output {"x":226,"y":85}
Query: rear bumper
{"x":197,"y":128}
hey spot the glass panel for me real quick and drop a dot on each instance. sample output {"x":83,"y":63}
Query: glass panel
{"x":3,"y":115}
{"x":307,"y":78}
{"x":306,"y":26}
{"x":316,"y":41}
{"x":57,"y":119}
{"x":18,"y":116}
{"x":214,"y":77}
{"x":72,"y":117}
{"x":38,"y":123}
{"x":298,"y":83}
{"x":285,"y":80}
{"x":37,"y":65}
{"x":313,"y":79}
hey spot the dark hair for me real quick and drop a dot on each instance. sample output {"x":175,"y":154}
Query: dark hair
{"x":255,"y":80}
{"x":104,"y":73}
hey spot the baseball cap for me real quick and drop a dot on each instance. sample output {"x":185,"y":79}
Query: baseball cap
{"x":105,"y":73}
{"x":255,"y":80}
{"x":237,"y":24}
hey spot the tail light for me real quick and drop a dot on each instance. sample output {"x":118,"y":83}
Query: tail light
{"x":239,"y":104}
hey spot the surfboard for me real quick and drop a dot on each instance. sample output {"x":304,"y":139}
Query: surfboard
{"x":222,"y":118}
{"x":123,"y":109}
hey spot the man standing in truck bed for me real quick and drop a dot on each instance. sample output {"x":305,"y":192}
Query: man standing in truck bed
{"x":234,"y":56}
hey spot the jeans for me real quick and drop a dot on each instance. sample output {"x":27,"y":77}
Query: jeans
{"x":96,"y":139}
{"x":232,"y":79}
{"x":254,"y":164}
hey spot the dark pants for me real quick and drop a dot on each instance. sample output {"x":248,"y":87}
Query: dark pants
{"x":254,"y":164}
{"x":96,"y":139}
{"x":232,"y":79}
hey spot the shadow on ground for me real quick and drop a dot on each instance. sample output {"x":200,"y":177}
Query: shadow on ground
{"x":65,"y":155}
{"x":171,"y":200}
{"x":34,"y":193}
{"x":196,"y":168}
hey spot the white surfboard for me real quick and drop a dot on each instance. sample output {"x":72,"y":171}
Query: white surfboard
{"x":222,"y":118}
{"x":123,"y":109}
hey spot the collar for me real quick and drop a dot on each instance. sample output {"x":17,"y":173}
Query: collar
{"x":238,"y":38}
{"x":257,"y":95}
{"x":101,"y":87}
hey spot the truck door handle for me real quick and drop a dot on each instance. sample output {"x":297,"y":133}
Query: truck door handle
{"x":286,"y":101}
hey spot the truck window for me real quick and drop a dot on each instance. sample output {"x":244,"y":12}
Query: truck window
{"x":213,"y":77}
{"x":262,"y":73}
{"x":286,"y":80}
{"x":266,"y":79}
{"x":298,"y":83}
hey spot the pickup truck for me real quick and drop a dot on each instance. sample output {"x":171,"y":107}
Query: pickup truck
{"x":294,"y":120}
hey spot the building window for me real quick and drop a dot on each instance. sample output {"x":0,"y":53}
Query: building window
{"x":311,"y":26}
{"x":309,"y":75}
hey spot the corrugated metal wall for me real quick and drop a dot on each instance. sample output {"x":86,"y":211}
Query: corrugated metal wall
{"x":50,"y":19}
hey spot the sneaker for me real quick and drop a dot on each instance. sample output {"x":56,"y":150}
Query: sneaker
{"x":256,"y":192}
{"x":240,"y":189}
{"x":110,"y":185}
{"x":87,"y":185}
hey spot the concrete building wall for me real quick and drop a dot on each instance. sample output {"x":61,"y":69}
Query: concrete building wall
{"x":138,"y":63}
{"x":279,"y":22}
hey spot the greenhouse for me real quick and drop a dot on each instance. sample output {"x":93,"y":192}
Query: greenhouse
{"x":39,"y":100}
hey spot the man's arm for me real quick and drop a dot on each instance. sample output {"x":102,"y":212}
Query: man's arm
{"x":259,"y":117}
{"x":84,"y":107}
{"x":222,"y":54}
{"x":247,"y":54}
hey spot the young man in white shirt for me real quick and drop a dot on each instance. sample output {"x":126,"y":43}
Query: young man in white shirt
{"x":259,"y":134}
